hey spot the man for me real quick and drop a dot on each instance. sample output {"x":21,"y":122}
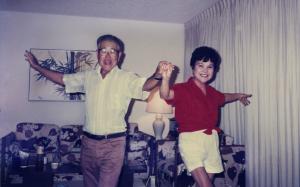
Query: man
{"x":108,"y":92}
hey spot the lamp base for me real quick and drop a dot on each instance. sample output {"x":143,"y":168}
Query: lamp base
{"x":158,"y":127}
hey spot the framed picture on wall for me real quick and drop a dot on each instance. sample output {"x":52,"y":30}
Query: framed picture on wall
{"x":64,"y":61}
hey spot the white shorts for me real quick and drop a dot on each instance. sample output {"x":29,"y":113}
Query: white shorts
{"x":198,"y":149}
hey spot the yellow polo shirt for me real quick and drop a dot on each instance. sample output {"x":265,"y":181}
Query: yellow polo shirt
{"x":106,"y":100}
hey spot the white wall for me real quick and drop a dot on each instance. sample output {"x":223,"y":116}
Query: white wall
{"x":146,"y":44}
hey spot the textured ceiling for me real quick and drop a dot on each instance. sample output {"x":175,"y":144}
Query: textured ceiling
{"x":171,"y":11}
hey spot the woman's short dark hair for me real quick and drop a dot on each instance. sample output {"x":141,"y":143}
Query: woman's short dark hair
{"x":112,"y":38}
{"x":205,"y":54}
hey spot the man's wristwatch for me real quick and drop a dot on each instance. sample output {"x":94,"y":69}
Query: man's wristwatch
{"x":158,"y":78}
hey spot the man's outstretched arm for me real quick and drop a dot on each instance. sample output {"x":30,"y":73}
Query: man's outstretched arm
{"x":54,"y":76}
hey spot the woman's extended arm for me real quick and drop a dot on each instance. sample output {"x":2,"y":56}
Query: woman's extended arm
{"x":243,"y":98}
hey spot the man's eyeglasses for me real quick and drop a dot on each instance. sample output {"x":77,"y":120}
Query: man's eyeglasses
{"x":110,"y":51}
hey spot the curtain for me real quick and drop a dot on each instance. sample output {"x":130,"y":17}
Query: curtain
{"x":259,"y":42}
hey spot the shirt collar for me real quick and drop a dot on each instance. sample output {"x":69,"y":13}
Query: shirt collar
{"x":113,"y":71}
{"x":193,"y":85}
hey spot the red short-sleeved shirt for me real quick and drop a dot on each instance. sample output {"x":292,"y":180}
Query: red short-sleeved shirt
{"x":193,"y":110}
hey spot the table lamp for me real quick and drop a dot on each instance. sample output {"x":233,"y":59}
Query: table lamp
{"x":159,"y":107}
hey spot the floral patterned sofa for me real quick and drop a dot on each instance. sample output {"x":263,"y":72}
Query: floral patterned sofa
{"x":63,"y":144}
{"x":170,"y":170}
{"x":138,"y":152}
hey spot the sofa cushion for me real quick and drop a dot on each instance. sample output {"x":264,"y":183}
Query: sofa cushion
{"x":30,"y":135}
{"x":70,"y":143}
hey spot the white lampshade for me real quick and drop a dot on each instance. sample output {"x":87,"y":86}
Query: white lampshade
{"x":157,"y":105}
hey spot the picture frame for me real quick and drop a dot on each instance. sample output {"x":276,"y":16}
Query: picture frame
{"x":63,"y":61}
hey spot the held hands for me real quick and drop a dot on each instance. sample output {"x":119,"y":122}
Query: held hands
{"x":165,"y":68}
{"x":243,"y":98}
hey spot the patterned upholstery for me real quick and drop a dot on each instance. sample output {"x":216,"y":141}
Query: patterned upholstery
{"x":63,"y":144}
{"x":70,"y":143}
{"x":27,"y":137}
{"x":234,"y":166}
{"x":166,"y":159}
{"x":68,"y":172}
{"x":138,"y":150}
{"x":31,"y":135}
{"x":62,"y":177}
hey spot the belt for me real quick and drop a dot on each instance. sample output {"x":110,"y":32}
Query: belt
{"x":101,"y":137}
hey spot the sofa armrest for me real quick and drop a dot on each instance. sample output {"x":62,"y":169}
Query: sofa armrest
{"x":138,"y":151}
{"x":234,"y":164}
{"x":5,"y":155}
{"x":8,"y":138}
{"x":6,"y":141}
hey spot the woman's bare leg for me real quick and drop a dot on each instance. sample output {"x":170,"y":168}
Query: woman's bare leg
{"x":201,"y":177}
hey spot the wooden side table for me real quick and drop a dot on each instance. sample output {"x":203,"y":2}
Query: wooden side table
{"x":33,"y":178}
